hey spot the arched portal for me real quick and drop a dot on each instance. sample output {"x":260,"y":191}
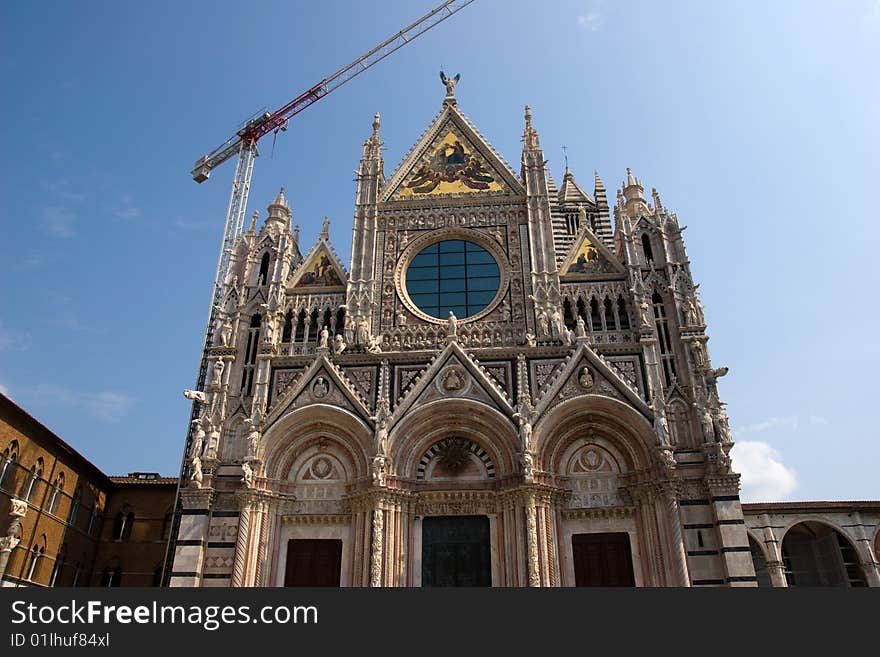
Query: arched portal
{"x":760,"y":562}
{"x":817,"y":554}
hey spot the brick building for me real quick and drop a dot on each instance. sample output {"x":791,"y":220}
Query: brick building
{"x":63,"y":522}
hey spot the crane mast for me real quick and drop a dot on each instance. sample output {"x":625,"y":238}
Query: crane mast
{"x":243,"y":144}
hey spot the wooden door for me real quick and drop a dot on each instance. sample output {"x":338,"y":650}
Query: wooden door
{"x":602,"y":560}
{"x":313,"y":562}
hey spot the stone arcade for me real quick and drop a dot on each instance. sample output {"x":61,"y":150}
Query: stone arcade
{"x":504,"y":388}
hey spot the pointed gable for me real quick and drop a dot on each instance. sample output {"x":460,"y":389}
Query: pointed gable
{"x":320,"y":270}
{"x":588,"y":256}
{"x":453,"y":373}
{"x":452,"y":158}
{"x":571,"y":192}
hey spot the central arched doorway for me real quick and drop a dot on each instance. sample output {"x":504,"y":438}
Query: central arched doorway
{"x":456,"y":551}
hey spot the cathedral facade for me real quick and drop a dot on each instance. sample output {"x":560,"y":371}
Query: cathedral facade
{"x":502,"y":388}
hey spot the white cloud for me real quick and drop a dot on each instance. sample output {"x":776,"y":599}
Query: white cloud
{"x":791,"y":422}
{"x":787,"y":421}
{"x":12,"y":340}
{"x":594,"y":17}
{"x":57,"y":221}
{"x":126,"y":210}
{"x":873,"y":10}
{"x":106,"y":405}
{"x":591,"y":21}
{"x":764,"y":477}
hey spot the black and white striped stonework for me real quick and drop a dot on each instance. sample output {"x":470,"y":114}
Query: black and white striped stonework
{"x":473,"y":448}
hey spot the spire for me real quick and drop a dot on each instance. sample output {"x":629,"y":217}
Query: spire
{"x":296,"y":235}
{"x":279,"y":210}
{"x":530,"y":135}
{"x":325,"y":229}
{"x":603,"y":218}
{"x":633,"y":195}
{"x":252,"y":229}
{"x":373,"y":145}
{"x":657,"y":204}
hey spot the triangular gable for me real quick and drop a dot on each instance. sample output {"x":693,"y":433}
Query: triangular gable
{"x":587,"y":256}
{"x":474,"y":383}
{"x":451,"y":158}
{"x":605,"y":381}
{"x":320,"y":270}
{"x":571,"y":192}
{"x":321,"y":383}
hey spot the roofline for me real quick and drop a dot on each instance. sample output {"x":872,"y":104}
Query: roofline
{"x":812,"y":506}
{"x":43,"y":431}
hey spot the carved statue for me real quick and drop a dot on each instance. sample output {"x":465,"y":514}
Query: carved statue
{"x":253,"y":439}
{"x":699,"y":354}
{"x":325,"y":337}
{"x":586,"y":379}
{"x":707,"y":424}
{"x":213,"y":440}
{"x":198,"y":440}
{"x":645,"y":312}
{"x":567,"y":336}
{"x":450,"y":83}
{"x":377,"y":470}
{"x":668,"y":457}
{"x":452,"y":326}
{"x":375,"y":345}
{"x":195,"y":479}
{"x":661,"y":426}
{"x":580,"y":328}
{"x":528,"y":466}
{"x":525,"y":431}
{"x":217,"y":374}
{"x":338,"y":344}
{"x":543,"y":324}
{"x":530,"y":340}
{"x":269,"y":335}
{"x":362,"y":335}
{"x":557,"y":324}
{"x":691,"y":316}
{"x":225,"y":334}
{"x":195,"y":395}
{"x":383,"y":413}
{"x":320,"y":388}
{"x":722,"y":428}
{"x":247,"y":474}
{"x":724,"y":464}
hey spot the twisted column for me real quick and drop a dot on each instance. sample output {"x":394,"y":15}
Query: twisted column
{"x":532,"y":541}
{"x":376,"y":549}
{"x":241,"y":545}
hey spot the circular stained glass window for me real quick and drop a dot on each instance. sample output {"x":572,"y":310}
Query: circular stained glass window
{"x":453,"y":275}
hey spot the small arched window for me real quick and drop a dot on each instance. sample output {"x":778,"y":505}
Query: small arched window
{"x":646,"y":248}
{"x":74,"y":505}
{"x":123,"y":524}
{"x":10,"y":454}
{"x":59,"y":564}
{"x":33,"y":478}
{"x":288,"y":326}
{"x":263,"y":278}
{"x":57,"y":492}
{"x":622,"y":313}
{"x":93,"y":517}
{"x":37,"y":553}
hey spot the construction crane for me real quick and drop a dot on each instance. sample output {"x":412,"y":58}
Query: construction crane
{"x":244,"y":144}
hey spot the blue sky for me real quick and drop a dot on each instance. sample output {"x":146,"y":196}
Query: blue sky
{"x":757,"y":122}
